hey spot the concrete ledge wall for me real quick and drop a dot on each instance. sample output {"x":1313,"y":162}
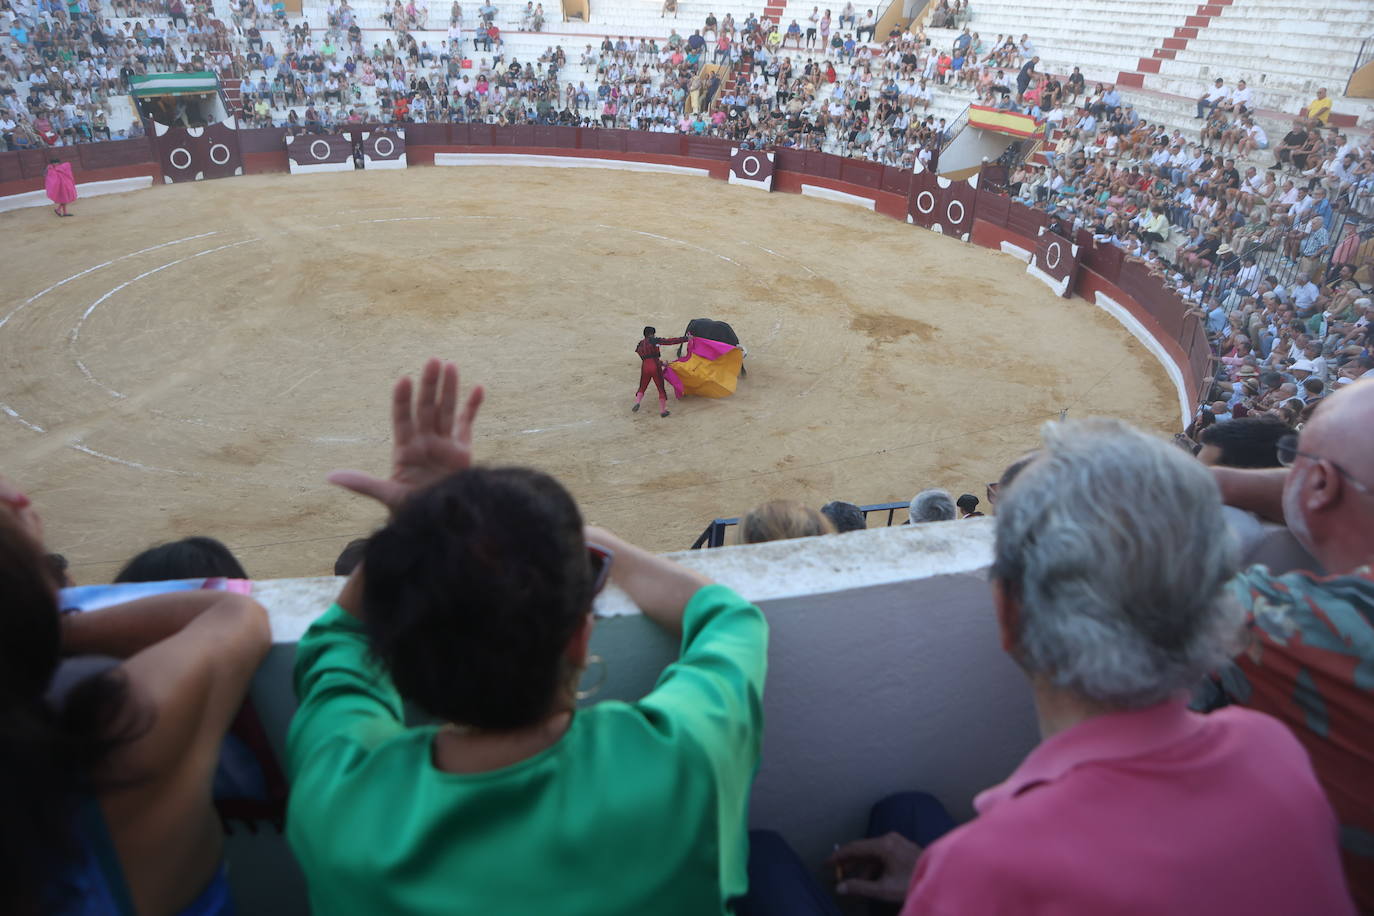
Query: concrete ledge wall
{"x":885,"y":673}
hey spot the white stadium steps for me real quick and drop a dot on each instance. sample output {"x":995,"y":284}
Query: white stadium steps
{"x":1285,"y":50}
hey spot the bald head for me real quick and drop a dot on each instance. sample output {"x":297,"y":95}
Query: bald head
{"x":1343,"y":430}
{"x":1328,"y":496}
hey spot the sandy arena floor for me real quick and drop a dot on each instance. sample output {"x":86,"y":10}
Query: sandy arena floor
{"x":195,"y":358}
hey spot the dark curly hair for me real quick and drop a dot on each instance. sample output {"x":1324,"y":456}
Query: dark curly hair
{"x":47,"y":754}
{"x":472,"y":593}
{"x":188,"y":558}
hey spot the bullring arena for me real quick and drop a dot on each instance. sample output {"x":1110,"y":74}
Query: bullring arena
{"x":200,"y":355}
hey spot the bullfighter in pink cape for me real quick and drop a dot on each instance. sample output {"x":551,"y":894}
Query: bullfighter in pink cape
{"x":60,"y":185}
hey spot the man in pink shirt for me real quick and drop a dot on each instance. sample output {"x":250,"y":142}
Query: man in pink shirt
{"x":1108,"y":579}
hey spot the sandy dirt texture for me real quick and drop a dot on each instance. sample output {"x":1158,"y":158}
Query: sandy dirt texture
{"x":193,"y":359}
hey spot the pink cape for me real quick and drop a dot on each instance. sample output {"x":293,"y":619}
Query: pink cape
{"x":60,"y":184}
{"x":697,"y":346}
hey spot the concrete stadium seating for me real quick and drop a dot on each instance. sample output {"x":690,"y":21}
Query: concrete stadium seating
{"x":1285,"y":50}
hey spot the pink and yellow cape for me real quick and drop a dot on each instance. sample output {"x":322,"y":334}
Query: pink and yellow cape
{"x":709,"y":370}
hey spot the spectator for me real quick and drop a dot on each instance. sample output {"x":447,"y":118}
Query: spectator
{"x":968,"y":506}
{"x":474,"y":605}
{"x":188,"y":558}
{"x":1009,"y":474}
{"x":1319,"y":109}
{"x":931,"y":506}
{"x":1114,"y":608}
{"x":1211,"y":98}
{"x":780,"y":520}
{"x":1312,"y":631}
{"x":869,"y":24}
{"x":1243,"y":442}
{"x":844,"y":516}
{"x":113,"y":786}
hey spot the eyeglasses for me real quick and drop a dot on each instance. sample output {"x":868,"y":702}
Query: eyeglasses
{"x":601,"y":559}
{"x":1288,"y":453}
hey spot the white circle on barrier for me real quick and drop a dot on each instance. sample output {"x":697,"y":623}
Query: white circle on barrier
{"x":214,"y":159}
{"x":315,"y":153}
{"x":750,"y":166}
{"x":383,"y":153}
{"x":925,"y":202}
{"x":949,"y":212}
{"x":1053,"y":255}
{"x":182,"y":151}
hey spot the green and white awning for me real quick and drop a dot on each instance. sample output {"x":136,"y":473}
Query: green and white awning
{"x":174,"y":84}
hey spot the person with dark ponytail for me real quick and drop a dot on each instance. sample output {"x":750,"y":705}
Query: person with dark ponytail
{"x":108,"y":808}
{"x":651,"y":366}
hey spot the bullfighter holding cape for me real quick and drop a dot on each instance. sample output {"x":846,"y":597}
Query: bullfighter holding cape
{"x":711,"y":368}
{"x":651,"y":366}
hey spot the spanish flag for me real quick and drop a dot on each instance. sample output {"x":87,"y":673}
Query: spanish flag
{"x":709,"y":370}
{"x":1011,"y":123}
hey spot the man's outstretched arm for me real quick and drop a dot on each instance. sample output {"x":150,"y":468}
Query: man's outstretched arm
{"x":1257,"y":491}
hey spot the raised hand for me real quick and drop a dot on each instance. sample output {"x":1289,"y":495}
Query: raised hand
{"x":430,"y":439}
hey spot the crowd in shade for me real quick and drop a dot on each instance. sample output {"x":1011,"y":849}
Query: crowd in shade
{"x":1224,"y":219}
{"x":1172,"y":685}
{"x":1283,"y":348}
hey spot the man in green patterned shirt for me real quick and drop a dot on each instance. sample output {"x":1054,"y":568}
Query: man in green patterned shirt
{"x":1310,"y":660}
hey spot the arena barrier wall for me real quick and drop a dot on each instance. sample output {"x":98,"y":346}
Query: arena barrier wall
{"x":751,"y":168}
{"x":22,"y":170}
{"x":319,"y":153}
{"x":1055,"y":261}
{"x":966,"y":209}
{"x":199,"y":153}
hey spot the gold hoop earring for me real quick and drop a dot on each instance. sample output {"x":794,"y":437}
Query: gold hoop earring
{"x":588,"y":692}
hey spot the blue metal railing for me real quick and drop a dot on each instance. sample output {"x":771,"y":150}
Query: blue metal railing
{"x":955,"y":128}
{"x":714,"y":535}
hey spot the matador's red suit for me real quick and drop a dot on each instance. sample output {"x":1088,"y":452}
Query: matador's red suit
{"x":651,"y":368}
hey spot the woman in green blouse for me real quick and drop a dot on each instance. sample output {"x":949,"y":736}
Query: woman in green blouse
{"x":474,"y":605}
